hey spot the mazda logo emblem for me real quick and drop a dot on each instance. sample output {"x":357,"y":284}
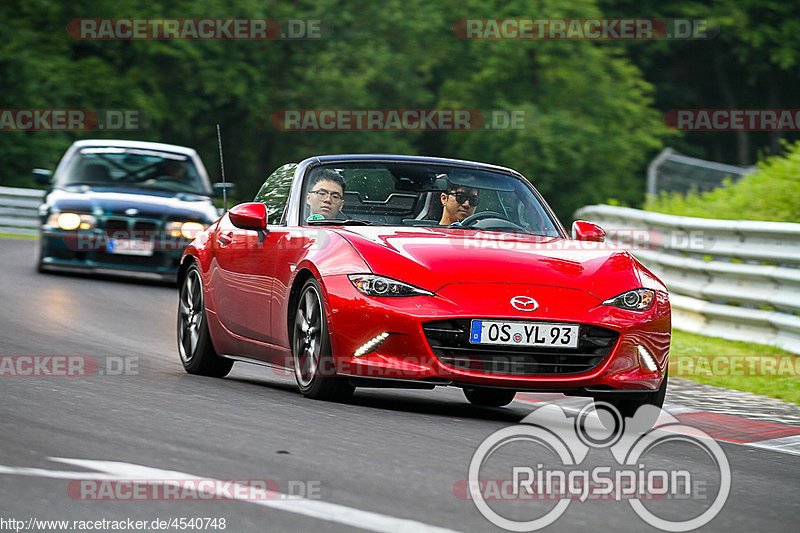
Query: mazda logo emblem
{"x":524,"y":303}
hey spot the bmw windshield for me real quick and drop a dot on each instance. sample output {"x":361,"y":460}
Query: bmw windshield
{"x":133,"y":167}
{"x":407,"y":194}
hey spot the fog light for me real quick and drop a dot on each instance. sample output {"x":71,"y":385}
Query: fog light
{"x":646,"y":358}
{"x":370,"y":345}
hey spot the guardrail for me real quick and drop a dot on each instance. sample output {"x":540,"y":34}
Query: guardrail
{"x":734,"y":279}
{"x":19,"y":210}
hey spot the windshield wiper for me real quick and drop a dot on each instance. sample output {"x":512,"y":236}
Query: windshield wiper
{"x":339,"y":222}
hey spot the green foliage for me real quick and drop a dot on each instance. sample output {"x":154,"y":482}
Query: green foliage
{"x":589,"y":129}
{"x":771,"y":193}
{"x":749,"y":63}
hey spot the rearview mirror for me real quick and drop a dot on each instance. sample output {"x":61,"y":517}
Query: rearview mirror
{"x":252,"y":216}
{"x":586,"y":231}
{"x":230,"y":189}
{"x":42,"y":176}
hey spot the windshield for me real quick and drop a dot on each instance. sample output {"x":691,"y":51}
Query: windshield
{"x":133,"y":167}
{"x":409,"y":194}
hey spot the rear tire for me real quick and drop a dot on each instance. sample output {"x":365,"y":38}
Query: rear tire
{"x":314,"y":367}
{"x":489,"y":397}
{"x":194,"y":342}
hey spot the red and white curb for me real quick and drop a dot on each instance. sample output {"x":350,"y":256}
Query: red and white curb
{"x":736,"y":429}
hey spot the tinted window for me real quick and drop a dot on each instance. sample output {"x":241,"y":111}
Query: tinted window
{"x":133,"y":167}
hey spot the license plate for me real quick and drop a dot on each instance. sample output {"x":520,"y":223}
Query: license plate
{"x":129,"y":247}
{"x":524,"y":333}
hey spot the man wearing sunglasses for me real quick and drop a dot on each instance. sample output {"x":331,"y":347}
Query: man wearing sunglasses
{"x":326,"y":194}
{"x":459,"y":203}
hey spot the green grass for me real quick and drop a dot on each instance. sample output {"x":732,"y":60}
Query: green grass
{"x":768,"y":370}
{"x":17,"y":236}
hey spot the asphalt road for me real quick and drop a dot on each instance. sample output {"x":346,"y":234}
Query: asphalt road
{"x":388,"y":460}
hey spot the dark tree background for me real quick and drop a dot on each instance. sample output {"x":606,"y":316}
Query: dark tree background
{"x":593,"y":109}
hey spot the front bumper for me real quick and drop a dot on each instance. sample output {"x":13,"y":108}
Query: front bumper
{"x":77,"y":251}
{"x":407,"y":354}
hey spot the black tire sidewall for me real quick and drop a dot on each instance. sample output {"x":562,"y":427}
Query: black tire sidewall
{"x":325,"y":359}
{"x":204,"y":360}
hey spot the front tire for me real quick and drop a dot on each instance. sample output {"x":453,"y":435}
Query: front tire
{"x":194,"y":342}
{"x":489,"y":397}
{"x":314,"y":367}
{"x":628,"y":408}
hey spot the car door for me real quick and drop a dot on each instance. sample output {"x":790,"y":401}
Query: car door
{"x":243,"y":280}
{"x":245,"y":261}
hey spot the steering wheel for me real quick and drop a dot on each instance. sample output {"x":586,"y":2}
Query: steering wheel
{"x":480,"y":216}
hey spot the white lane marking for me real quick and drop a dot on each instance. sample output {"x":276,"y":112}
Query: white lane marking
{"x":678,"y":409}
{"x":789,"y":444}
{"x":331,"y":512}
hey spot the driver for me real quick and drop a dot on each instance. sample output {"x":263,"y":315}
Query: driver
{"x":174,"y":170}
{"x":326,"y":195}
{"x":458,"y":203}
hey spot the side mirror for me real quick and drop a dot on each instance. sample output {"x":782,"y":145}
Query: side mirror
{"x":252,"y":216}
{"x":230,"y":189}
{"x":42,"y":176}
{"x":586,"y":231}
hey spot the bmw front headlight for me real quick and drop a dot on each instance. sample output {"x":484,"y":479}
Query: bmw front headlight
{"x":188,"y":230}
{"x":374,"y":285}
{"x":635,"y":300}
{"x":71,"y":221}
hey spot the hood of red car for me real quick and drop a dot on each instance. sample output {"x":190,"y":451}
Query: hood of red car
{"x":432,"y":258}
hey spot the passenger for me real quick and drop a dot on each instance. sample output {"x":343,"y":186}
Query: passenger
{"x":458,"y":203}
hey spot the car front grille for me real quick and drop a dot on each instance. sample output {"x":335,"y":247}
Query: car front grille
{"x":449,"y":341}
{"x":130,"y":227}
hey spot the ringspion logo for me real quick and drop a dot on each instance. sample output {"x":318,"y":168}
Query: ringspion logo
{"x":543,"y":460}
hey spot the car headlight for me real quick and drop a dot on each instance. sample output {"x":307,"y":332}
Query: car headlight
{"x":635,"y":300}
{"x":189,"y":230}
{"x":372,"y":285}
{"x":71,"y":221}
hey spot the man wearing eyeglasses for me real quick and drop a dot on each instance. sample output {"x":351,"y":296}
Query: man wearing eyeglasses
{"x":458,"y":203}
{"x":326,"y":194}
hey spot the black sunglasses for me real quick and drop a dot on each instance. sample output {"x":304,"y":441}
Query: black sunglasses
{"x":462,"y":197}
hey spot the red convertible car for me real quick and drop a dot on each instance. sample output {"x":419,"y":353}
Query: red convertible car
{"x":400,"y":271}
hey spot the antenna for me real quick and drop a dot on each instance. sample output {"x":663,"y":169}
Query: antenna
{"x":222,"y":167}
